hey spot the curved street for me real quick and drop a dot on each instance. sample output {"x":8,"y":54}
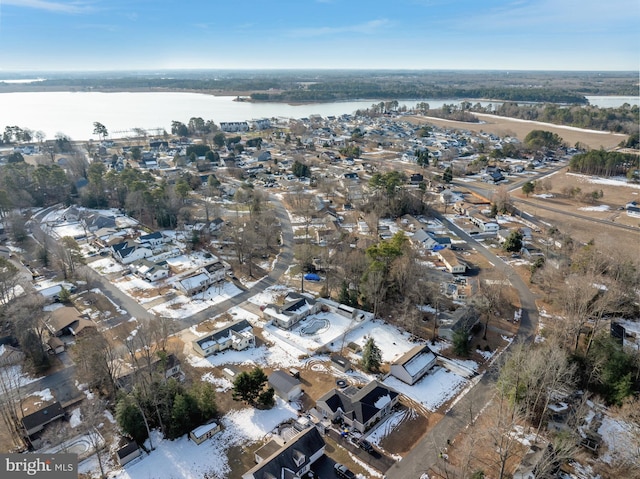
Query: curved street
{"x":425,"y":454}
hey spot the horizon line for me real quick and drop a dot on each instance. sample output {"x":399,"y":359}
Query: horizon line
{"x":287,"y":69}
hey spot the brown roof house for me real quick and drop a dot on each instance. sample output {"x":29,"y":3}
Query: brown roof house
{"x":68,"y":320}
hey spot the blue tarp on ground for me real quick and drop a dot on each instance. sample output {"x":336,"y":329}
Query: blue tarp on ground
{"x":438,"y":247}
{"x":311,"y":277}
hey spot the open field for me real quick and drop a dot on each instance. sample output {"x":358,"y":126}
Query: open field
{"x":513,"y":127}
{"x":615,"y":195}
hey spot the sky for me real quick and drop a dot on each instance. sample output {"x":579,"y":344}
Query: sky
{"x":40,"y":35}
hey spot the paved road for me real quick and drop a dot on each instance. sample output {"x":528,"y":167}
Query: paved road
{"x":542,"y":206}
{"x":285,"y":258}
{"x":62,"y":383}
{"x":425,"y":454}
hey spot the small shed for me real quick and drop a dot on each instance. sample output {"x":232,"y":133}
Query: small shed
{"x":204,"y":432}
{"x":127,"y":453}
{"x":285,"y":385}
{"x":56,"y":346}
{"x":341,"y":363}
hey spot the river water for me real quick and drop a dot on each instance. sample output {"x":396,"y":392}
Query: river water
{"x":73,"y":113}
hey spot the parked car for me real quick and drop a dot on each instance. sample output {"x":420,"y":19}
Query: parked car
{"x":364,"y":445}
{"x":343,"y":471}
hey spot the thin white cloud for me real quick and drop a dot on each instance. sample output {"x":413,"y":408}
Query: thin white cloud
{"x":367,"y":28}
{"x":57,"y":7}
{"x":564,"y":14}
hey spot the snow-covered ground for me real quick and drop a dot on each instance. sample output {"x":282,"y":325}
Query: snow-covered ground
{"x":107,"y":265}
{"x":270,"y":295}
{"x":615,"y":181}
{"x":392,"y":342}
{"x":602,"y":208}
{"x":264,"y":356}
{"x":183,"y":459}
{"x":183,"y":307}
{"x":438,"y":386}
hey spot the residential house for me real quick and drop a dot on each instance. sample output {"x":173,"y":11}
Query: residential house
{"x":149,"y":270}
{"x":451,"y":261}
{"x":285,"y":385}
{"x":359,"y":408}
{"x":127,"y":253}
{"x":204,"y":432}
{"x":462,"y":318}
{"x":416,"y":178}
{"x":428,"y":240}
{"x":152,"y":240}
{"x":237,"y":335}
{"x":234,"y":126}
{"x":10,"y":356}
{"x":166,"y":366}
{"x":97,"y":221}
{"x":127,"y":453}
{"x":35,"y":422}
{"x":68,"y":320}
{"x":633,"y":209}
{"x":216,"y":224}
{"x":202,"y":280}
{"x":261,"y":124}
{"x":292,"y":460}
{"x":485,"y":225}
{"x":414,"y":364}
{"x":296,"y":308}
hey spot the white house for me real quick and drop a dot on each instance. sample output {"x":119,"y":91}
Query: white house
{"x":152,"y":240}
{"x":234,"y":126}
{"x":296,"y":308}
{"x":201,"y":281}
{"x":451,"y":261}
{"x":238,"y":335}
{"x":285,"y":385}
{"x":359,"y":408}
{"x":151,"y":271}
{"x":126,"y":253}
{"x":413,"y":365}
{"x":427,"y":240}
{"x":484,"y":224}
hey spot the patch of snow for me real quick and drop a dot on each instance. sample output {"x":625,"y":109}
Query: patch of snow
{"x":619,"y":438}
{"x":45,"y":394}
{"x":595,"y":208}
{"x":222,"y":384}
{"x":76,"y":418}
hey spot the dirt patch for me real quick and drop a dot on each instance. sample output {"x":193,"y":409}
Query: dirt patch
{"x":402,"y":439}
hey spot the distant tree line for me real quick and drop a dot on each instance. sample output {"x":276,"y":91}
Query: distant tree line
{"x":620,"y":120}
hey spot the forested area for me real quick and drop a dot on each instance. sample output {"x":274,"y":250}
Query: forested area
{"x":557,"y":87}
{"x":605,"y":163}
{"x":618,"y":120}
